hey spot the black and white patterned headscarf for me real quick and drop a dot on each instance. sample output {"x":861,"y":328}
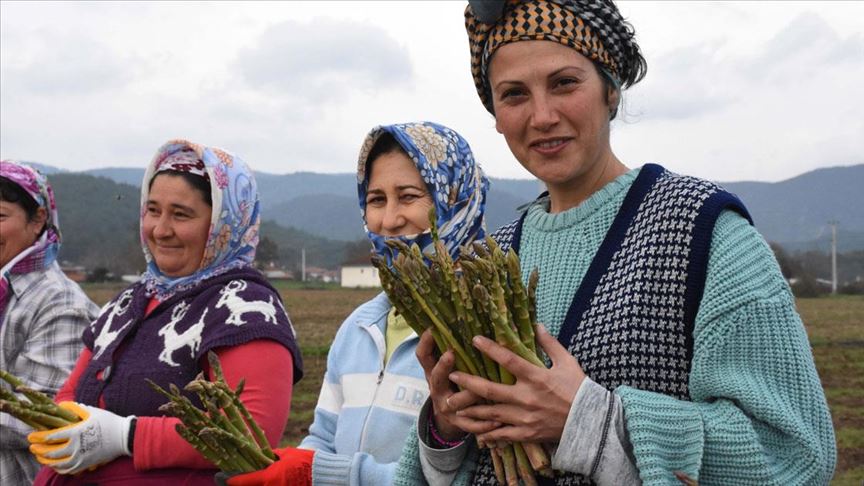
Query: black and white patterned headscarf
{"x":595,"y":28}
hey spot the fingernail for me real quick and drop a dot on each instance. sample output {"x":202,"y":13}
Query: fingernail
{"x":454,"y":377}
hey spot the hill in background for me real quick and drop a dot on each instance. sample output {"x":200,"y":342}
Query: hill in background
{"x":99,"y":223}
{"x":794,"y":213}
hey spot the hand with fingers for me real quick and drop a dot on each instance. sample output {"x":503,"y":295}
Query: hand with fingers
{"x":100,"y":437}
{"x":534,"y":409}
{"x":446,"y":400}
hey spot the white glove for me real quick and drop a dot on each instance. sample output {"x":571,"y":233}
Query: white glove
{"x":100,"y":437}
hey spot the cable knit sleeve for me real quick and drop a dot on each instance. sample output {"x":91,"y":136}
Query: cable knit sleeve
{"x":758,"y":414}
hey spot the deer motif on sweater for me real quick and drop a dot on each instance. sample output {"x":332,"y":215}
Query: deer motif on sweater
{"x":237,"y":306}
{"x":173,"y":341}
{"x":106,"y":335}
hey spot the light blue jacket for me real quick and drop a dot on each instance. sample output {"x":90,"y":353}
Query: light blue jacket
{"x":365,"y":410}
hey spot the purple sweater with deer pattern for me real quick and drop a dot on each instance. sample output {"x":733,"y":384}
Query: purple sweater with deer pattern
{"x":166,"y":345}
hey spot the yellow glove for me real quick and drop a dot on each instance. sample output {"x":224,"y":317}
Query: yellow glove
{"x":100,"y":437}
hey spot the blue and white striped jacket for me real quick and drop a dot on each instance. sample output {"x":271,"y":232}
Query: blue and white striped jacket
{"x":365,"y":410}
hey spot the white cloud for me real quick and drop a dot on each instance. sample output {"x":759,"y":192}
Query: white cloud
{"x":735,"y":90}
{"x":324,"y":60}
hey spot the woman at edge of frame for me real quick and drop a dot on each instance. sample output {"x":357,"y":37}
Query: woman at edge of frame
{"x":674,"y":343}
{"x":42,"y":312}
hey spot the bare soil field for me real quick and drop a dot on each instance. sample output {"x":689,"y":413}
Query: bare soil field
{"x":835,"y":326}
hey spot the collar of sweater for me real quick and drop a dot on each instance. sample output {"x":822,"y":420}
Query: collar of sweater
{"x":540,"y":219}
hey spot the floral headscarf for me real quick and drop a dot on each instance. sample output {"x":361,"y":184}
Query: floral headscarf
{"x":234,"y":220}
{"x":454,"y":180}
{"x":43,"y":252}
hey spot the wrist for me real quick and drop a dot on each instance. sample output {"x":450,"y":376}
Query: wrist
{"x":129,"y":436}
{"x":443,"y":440}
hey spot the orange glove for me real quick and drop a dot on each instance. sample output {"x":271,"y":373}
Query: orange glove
{"x":294,"y":468}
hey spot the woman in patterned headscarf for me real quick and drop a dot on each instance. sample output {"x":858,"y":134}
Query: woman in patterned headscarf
{"x":673,"y":338}
{"x":199,"y":229}
{"x":42,"y":313}
{"x":374,"y":387}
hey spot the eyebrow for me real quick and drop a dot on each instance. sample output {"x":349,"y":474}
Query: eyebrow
{"x":175,"y":206}
{"x":552,"y":74}
{"x":406,"y":186}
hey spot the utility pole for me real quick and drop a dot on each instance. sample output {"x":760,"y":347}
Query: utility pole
{"x":834,"y":257}
{"x":303,"y":264}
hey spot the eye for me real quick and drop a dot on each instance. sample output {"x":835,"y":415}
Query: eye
{"x":409,"y":197}
{"x":512,"y":93}
{"x":181,"y":215}
{"x":375,"y":200}
{"x":566,"y":82}
{"x":151,"y":210}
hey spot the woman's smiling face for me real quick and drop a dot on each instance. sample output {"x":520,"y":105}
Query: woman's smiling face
{"x":176,"y":225}
{"x":397,"y":200}
{"x":551,"y":106}
{"x":18,"y":231}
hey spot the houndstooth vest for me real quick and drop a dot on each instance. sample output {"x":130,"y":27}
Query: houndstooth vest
{"x":631,"y":319}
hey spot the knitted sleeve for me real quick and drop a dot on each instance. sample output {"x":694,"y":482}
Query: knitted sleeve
{"x":758,"y":414}
{"x":409,"y":471}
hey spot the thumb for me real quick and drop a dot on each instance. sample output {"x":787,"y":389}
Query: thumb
{"x":82,"y":411}
{"x":60,"y":434}
{"x":550,"y":345}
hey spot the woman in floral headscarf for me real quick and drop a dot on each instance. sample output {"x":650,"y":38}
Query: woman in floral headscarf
{"x":199,"y":230}
{"x":42,"y":313}
{"x":374,"y":387}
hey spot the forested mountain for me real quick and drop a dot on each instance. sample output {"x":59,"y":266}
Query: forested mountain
{"x":98,"y":213}
{"x":99,"y":222}
{"x":794,"y":212}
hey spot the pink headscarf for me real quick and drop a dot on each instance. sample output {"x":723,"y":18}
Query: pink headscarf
{"x":44,"y":251}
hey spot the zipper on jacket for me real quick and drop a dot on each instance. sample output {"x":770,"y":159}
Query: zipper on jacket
{"x":381,"y":354}
{"x":371,"y":406}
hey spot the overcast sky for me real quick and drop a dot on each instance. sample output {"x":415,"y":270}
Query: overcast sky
{"x":734,"y":91}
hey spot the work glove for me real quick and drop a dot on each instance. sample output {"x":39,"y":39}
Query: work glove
{"x":100,"y":437}
{"x":294,"y":468}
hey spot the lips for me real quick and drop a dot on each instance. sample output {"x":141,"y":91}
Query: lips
{"x":550,"y":146}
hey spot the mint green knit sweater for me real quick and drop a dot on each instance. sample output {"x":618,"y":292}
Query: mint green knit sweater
{"x":758,"y":413}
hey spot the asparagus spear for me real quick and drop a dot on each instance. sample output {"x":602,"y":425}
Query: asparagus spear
{"x":480,"y":294}
{"x":223,"y":431}
{"x":36,"y":409}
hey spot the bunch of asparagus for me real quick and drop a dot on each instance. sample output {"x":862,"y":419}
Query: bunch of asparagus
{"x":224,"y":432}
{"x":482,"y":293}
{"x":38,"y":410}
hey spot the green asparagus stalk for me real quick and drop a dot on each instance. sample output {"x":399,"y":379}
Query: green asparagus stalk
{"x":222,"y":430}
{"x":258,"y":434}
{"x":35,"y":409}
{"x":482,"y":293}
{"x":39,"y":420}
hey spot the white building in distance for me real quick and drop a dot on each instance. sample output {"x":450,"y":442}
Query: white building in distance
{"x":360,"y":275}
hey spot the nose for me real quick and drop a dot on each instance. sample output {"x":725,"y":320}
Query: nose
{"x":544,"y":114}
{"x":162,"y":229}
{"x":393,"y":220}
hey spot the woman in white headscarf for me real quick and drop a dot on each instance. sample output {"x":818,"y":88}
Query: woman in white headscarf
{"x":199,"y":230}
